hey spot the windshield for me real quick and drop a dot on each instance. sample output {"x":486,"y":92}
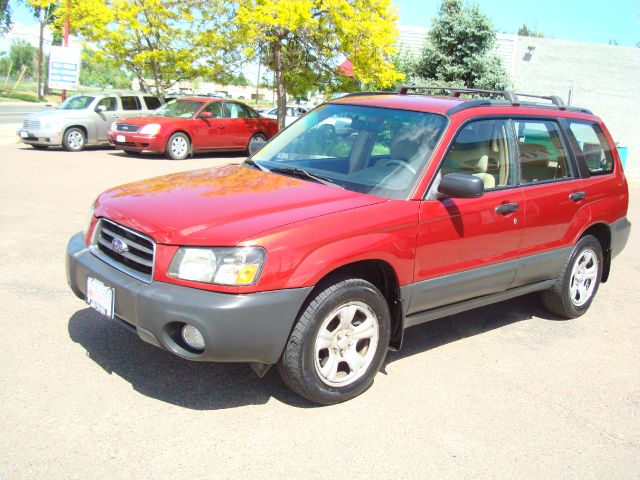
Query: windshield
{"x":378,"y":151}
{"x":179,"y":109}
{"x":79,"y":102}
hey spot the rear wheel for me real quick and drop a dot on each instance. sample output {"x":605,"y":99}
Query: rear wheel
{"x":258,"y":137}
{"x":338,"y":343}
{"x":178,"y":147}
{"x":576,"y":286}
{"x":74,"y":139}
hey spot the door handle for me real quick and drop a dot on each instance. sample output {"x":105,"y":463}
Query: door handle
{"x":506,"y":208}
{"x":577,"y":196}
{"x":114,"y":116}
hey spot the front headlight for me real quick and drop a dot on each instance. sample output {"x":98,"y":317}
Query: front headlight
{"x":151,"y":129}
{"x":222,"y":266}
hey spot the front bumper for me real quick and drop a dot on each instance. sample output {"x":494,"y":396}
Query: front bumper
{"x":237,"y":328}
{"x":40,"y":137}
{"x":137,"y":142}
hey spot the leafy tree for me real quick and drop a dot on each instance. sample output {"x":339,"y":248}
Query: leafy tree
{"x":303,"y":41}
{"x":164,"y":40}
{"x":101,"y":73}
{"x":23,"y":54}
{"x":459,"y":49}
{"x":525,"y":31}
{"x":5,"y":17}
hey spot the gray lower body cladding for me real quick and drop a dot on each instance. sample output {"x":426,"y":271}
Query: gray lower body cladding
{"x":236,"y":328}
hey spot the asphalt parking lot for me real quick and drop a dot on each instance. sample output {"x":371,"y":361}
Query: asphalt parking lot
{"x":505,"y":391}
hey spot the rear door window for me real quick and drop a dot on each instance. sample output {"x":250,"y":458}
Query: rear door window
{"x":152,"y":102}
{"x":592,"y":146}
{"x":130,"y":103}
{"x":543,"y":156}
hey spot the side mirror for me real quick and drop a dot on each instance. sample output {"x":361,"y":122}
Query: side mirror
{"x":101,"y":108}
{"x":256,"y":144}
{"x":206,"y":115}
{"x":461,"y":185}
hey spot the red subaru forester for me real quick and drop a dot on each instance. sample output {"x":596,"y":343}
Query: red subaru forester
{"x":318,"y":252}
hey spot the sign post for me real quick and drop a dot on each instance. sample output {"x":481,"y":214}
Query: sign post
{"x":64,"y":68}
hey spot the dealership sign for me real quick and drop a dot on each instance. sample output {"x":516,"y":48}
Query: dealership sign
{"x":64,"y":68}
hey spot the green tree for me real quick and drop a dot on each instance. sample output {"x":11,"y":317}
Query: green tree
{"x":525,"y":31}
{"x":303,"y":41}
{"x":459,"y":50}
{"x":165,"y":41}
{"x":23,"y":54}
{"x":5,"y":17}
{"x":44,"y":12}
{"x":101,"y":73}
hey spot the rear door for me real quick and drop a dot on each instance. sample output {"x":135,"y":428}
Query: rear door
{"x":553,"y":194}
{"x":468,"y":247}
{"x":237,"y":126}
{"x":131,"y":106}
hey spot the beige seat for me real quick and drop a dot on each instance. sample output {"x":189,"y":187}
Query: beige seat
{"x":482,"y":172}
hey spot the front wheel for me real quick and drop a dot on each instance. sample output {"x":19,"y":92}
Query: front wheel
{"x":338,"y":343}
{"x":178,"y":147}
{"x":74,"y":139}
{"x":576,"y":286}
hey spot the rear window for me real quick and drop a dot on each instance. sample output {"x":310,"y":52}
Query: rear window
{"x":593,"y":147}
{"x":130,"y":103}
{"x":152,"y":103}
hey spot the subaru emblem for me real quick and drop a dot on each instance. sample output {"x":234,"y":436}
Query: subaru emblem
{"x":118,"y":245}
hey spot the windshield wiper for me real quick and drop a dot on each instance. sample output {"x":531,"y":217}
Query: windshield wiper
{"x":248,"y":161}
{"x":300,"y":173}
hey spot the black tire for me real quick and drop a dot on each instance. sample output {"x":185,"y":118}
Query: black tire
{"x":298,"y":367}
{"x":559,"y":299}
{"x":40,"y":147}
{"x":74,"y":139}
{"x":178,"y":146}
{"x":257,"y":136}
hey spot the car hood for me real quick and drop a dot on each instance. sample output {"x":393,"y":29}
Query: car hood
{"x":221,"y":206}
{"x":57,"y":114}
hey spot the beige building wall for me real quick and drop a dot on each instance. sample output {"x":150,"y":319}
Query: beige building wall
{"x":602,"y":78}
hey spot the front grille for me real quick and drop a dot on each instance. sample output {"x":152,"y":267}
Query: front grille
{"x":125,"y":144}
{"x":126,"y":127}
{"x":32,"y":124}
{"x":136,"y":259}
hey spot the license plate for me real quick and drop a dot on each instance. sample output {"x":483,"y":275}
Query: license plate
{"x":121,"y":138}
{"x":24,"y":134}
{"x":100,"y":297}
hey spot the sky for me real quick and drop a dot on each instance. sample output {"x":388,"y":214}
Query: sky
{"x":577,"y":20}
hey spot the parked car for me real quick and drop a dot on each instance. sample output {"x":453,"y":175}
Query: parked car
{"x":83,"y":120}
{"x":320,"y":252}
{"x":294,"y":112}
{"x":191,"y":124}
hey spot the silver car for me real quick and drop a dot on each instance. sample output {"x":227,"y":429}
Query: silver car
{"x":83,"y":119}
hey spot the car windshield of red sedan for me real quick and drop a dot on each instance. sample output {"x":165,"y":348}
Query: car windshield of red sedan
{"x":378,"y":151}
{"x":78,"y":102}
{"x":179,"y":109}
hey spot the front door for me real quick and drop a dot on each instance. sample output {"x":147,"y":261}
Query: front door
{"x":468,"y":247}
{"x":105,"y":111}
{"x":210,"y":132}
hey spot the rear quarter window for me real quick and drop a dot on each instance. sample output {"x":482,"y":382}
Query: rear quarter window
{"x":592,"y":146}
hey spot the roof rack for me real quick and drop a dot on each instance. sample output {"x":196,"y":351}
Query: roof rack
{"x":508,"y":95}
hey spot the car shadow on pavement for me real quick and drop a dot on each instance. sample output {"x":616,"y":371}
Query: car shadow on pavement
{"x":442,"y":331}
{"x":232,"y":156}
{"x":159,"y":374}
{"x":211,"y":386}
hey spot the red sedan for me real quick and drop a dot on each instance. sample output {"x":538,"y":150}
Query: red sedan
{"x":192,"y":124}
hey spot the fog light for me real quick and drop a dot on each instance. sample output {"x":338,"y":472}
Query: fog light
{"x":192,"y":337}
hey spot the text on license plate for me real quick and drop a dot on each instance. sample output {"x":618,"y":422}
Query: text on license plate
{"x":100,"y":297}
{"x":121,"y":138}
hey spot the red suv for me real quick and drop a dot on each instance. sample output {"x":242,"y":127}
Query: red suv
{"x":322,"y":249}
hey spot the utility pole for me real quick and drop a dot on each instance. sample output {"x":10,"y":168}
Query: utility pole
{"x":66,"y":40}
{"x":40,"y":51}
